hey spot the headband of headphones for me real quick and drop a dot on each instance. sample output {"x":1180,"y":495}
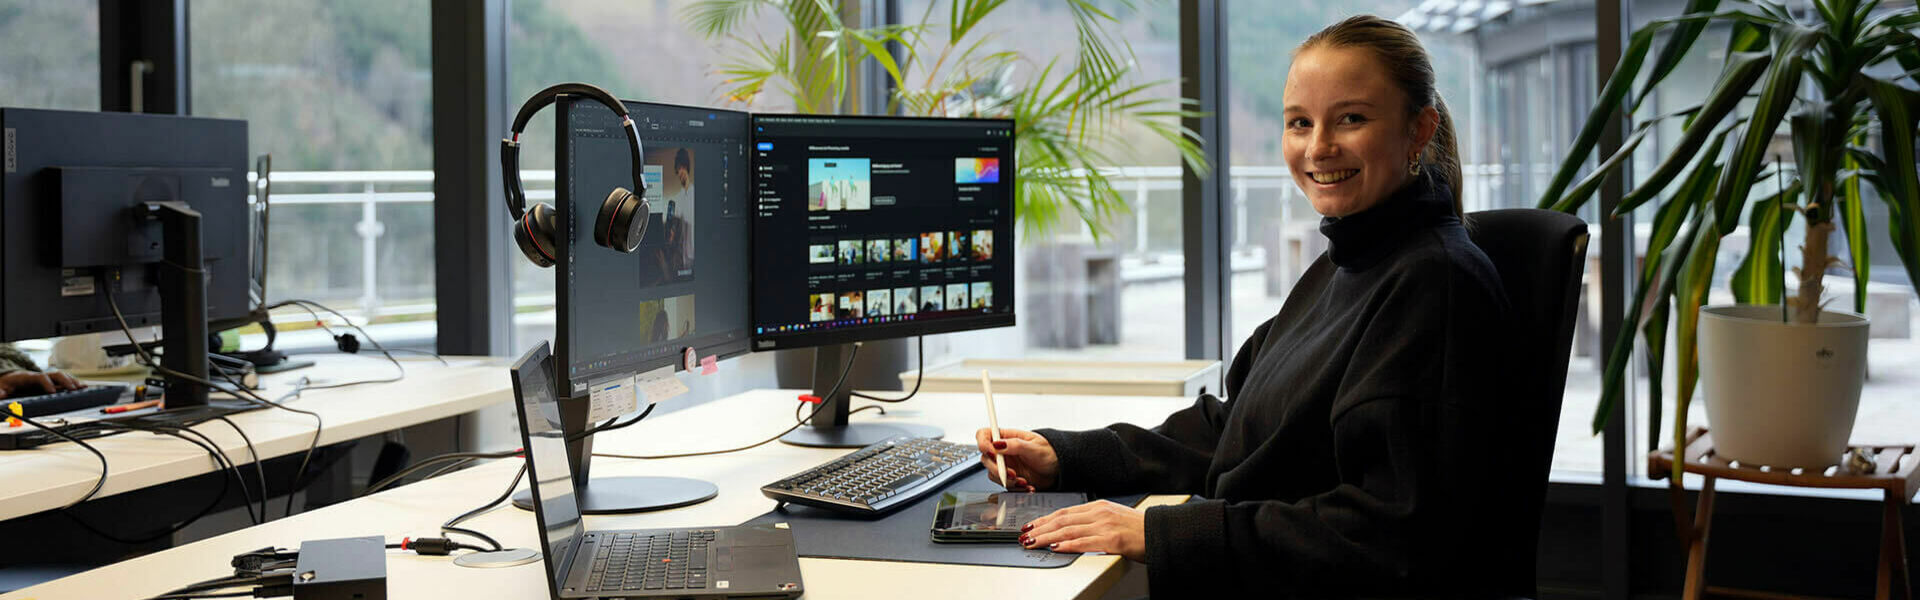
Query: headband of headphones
{"x":510,"y":147}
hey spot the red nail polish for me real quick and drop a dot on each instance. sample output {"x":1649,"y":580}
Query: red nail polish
{"x":999,"y":445}
{"x":1027,"y":527}
{"x":1026,"y":541}
{"x":1053,"y":546}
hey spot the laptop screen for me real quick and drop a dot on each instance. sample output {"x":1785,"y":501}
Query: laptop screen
{"x":553,"y":490}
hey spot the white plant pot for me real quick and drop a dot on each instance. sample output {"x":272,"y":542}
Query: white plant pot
{"x":1781,"y":394}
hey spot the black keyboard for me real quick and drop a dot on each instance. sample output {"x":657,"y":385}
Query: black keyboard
{"x":70,"y":400}
{"x":670,"y":560}
{"x":880,"y":477}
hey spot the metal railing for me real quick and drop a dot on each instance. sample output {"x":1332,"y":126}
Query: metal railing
{"x":373,"y":189}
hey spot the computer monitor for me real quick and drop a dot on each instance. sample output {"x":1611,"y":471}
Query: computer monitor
{"x":623,"y":315}
{"x":129,"y":204}
{"x":877,"y":227}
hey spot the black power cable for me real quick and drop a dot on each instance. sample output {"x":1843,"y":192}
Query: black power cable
{"x":918,"y":375}
{"x":238,"y":390}
{"x":254,"y":455}
{"x":452,"y":525}
{"x":97,"y":483}
{"x":430,"y":461}
{"x":816,"y":411}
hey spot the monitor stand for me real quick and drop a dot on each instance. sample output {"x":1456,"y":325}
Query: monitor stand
{"x":829,"y":428}
{"x":615,"y":495}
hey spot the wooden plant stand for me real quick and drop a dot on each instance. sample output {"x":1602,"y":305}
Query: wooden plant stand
{"x":1898,"y":481}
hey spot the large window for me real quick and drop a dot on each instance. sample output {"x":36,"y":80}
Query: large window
{"x":1111,"y":289}
{"x":1887,"y":410}
{"x":53,"y":54}
{"x":1517,"y":83}
{"x":339,"y":93}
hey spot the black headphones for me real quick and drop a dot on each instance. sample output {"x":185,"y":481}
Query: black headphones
{"x":622,"y":221}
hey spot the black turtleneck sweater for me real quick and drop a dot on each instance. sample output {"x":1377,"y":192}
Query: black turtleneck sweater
{"x":1344,"y":459}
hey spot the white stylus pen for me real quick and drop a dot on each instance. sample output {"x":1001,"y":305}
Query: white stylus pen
{"x":993,"y":422}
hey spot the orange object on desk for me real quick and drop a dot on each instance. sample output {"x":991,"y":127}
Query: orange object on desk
{"x":120,"y":408}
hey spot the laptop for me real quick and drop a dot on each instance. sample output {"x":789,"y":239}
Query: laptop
{"x":709,"y":562}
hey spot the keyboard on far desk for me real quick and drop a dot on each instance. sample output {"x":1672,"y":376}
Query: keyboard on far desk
{"x":67,"y":401}
{"x":878,"y":478}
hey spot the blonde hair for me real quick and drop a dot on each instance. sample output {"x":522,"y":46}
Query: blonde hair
{"x":1409,"y":67}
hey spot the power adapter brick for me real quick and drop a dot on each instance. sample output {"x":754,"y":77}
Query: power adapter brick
{"x":342,"y":569}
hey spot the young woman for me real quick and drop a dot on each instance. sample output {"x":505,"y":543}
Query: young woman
{"x":1345,"y":458}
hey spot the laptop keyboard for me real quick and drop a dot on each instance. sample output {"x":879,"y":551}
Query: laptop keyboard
{"x":675,"y":560}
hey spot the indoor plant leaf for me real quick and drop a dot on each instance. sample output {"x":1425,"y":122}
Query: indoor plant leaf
{"x":1758,"y":280}
{"x":1776,"y":96}
{"x":1739,"y":76}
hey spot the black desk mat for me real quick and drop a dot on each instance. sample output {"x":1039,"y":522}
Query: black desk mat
{"x":902,"y":535}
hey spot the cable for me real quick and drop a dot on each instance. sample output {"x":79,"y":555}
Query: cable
{"x":816,"y":411}
{"x":310,"y":305}
{"x":97,"y":483}
{"x":437,"y":357}
{"x":219,"y":457}
{"x":451,"y":525}
{"x":449,"y":468}
{"x":313,"y":444}
{"x":430,"y":461}
{"x":254,"y":455}
{"x":191,"y":595}
{"x":611,"y":425}
{"x":239,"y":390}
{"x":204,"y":511}
{"x":918,"y":376}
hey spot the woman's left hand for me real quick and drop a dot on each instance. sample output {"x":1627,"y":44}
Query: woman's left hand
{"x":1092,"y":527}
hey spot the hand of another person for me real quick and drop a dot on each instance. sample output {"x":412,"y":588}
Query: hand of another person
{"x":1092,"y":527}
{"x":1031,"y":462}
{"x":29,"y":383}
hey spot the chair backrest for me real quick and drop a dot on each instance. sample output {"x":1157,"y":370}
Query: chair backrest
{"x":1541,"y":257}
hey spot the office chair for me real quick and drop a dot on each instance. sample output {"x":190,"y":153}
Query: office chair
{"x":1541,"y":256}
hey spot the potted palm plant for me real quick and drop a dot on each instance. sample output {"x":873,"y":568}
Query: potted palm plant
{"x":1782,"y":375}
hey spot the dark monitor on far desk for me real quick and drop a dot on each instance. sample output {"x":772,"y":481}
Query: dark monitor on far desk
{"x":877,"y":227}
{"x":624,"y":315}
{"x":98,"y":203}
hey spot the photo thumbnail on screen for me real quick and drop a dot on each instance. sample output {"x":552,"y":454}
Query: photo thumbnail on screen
{"x":837,"y":184}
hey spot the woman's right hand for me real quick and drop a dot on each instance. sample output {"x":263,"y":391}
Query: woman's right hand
{"x":1031,"y":462}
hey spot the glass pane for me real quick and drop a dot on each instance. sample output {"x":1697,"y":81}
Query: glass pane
{"x":1111,"y":289}
{"x":1517,"y":81}
{"x":340,"y":94}
{"x":53,"y":56}
{"x":1886,"y":410}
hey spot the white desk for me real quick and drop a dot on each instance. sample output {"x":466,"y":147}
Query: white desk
{"x":418,"y":509}
{"x":52,"y":476}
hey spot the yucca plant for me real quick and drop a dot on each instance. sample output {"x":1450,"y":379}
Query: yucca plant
{"x":1065,"y":116}
{"x":1811,"y":70}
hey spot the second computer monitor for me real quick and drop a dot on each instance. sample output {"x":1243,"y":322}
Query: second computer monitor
{"x":624,"y":314}
{"x":880,"y":227}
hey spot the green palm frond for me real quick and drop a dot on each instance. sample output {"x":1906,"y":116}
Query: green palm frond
{"x":1064,"y":114}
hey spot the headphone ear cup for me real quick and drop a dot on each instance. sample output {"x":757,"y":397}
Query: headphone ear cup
{"x":534,"y":233}
{"x":623,"y":221}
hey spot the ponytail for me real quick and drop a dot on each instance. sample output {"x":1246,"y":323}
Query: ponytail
{"x":1443,"y":155}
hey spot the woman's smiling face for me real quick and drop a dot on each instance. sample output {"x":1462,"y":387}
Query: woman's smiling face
{"x":1348,"y":133}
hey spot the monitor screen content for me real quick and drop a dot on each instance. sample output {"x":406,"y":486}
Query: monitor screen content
{"x":685,"y":287}
{"x":880,"y":227}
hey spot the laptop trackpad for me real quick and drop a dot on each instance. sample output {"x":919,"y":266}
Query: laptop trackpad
{"x":753,"y":558}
